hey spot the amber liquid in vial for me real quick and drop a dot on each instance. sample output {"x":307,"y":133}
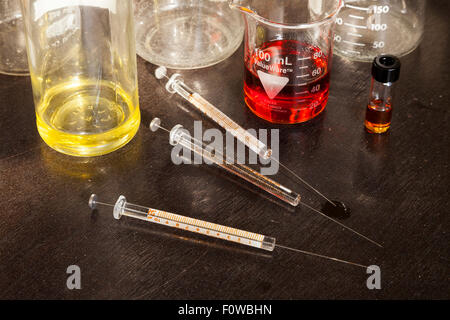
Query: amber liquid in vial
{"x":378,"y":117}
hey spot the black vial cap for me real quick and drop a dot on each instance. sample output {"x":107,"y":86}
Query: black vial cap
{"x":386,"y":68}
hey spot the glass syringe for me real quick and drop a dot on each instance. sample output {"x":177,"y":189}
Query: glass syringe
{"x":175,"y":84}
{"x":255,"y":240}
{"x":179,"y":136}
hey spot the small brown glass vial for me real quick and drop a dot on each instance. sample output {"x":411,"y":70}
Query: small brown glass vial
{"x":385,"y":72}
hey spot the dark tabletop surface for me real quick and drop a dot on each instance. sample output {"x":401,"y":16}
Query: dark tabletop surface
{"x":397,"y":186}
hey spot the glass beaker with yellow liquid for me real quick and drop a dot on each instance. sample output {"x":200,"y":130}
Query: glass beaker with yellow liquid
{"x":82,"y":61}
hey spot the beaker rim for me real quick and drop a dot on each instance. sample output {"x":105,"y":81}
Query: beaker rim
{"x":306,"y":25}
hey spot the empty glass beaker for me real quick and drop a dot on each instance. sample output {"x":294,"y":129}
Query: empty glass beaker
{"x":82,"y":62}
{"x":13,"y":51}
{"x":368,"y":28}
{"x":186,"y":34}
{"x":288,"y":51}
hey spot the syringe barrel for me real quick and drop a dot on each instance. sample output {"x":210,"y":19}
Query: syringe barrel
{"x":232,"y":127}
{"x":198,"y":226}
{"x":178,"y":135}
{"x":176,"y":84}
{"x":268,"y":243}
{"x":263,"y":182}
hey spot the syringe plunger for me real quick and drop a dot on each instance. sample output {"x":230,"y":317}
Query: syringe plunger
{"x":161,"y":72}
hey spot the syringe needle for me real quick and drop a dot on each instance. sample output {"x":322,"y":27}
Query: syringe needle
{"x":322,"y":256}
{"x":342,"y":225}
{"x":304,"y":182}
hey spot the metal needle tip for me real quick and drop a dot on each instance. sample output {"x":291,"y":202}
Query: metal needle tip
{"x":342,"y":225}
{"x":305,"y":183}
{"x":323,"y":256}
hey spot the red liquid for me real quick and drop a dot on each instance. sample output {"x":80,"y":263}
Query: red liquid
{"x":304,"y":67}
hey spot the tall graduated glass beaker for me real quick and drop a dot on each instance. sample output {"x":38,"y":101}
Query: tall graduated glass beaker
{"x":82,"y":61}
{"x":368,"y":28}
{"x":288,"y":51}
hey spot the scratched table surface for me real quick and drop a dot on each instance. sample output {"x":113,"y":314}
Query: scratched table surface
{"x":397,"y":186}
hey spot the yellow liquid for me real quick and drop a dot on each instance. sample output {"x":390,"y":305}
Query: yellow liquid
{"x":86,"y":118}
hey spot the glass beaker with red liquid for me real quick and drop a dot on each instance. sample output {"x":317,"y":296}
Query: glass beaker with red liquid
{"x":288,"y":50}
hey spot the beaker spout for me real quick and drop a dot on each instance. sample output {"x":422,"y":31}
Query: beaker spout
{"x":251,"y":8}
{"x":288,"y":14}
{"x":241,"y":5}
